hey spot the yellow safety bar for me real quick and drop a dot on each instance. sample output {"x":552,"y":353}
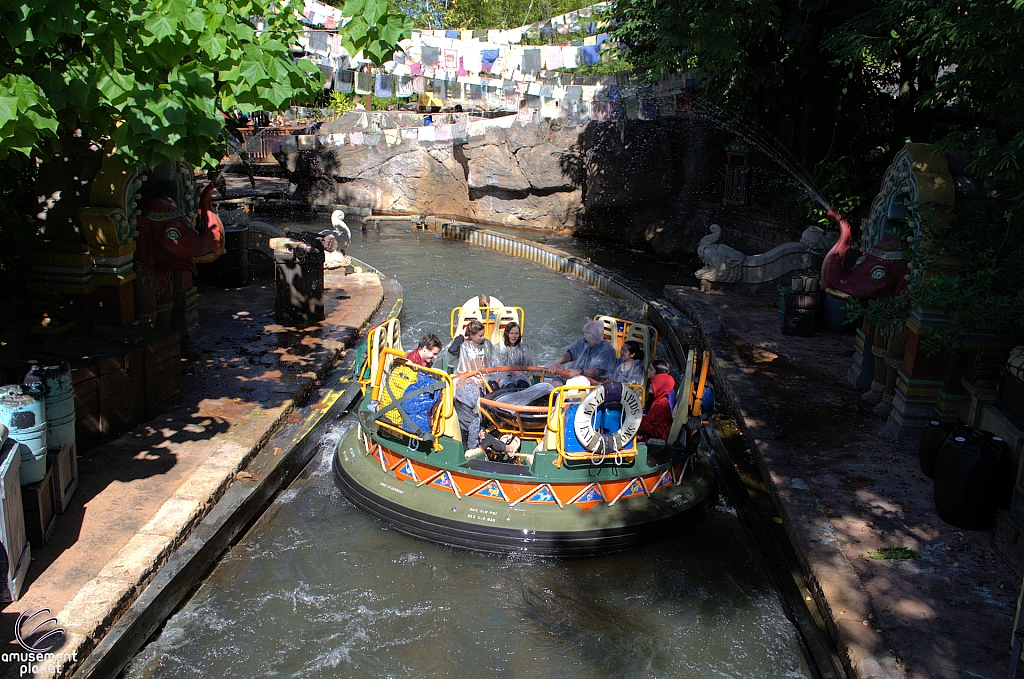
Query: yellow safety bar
{"x":558,"y":402}
{"x":494,"y":319}
{"x":646,"y":335}
{"x":447,"y":409}
{"x":387,"y":335}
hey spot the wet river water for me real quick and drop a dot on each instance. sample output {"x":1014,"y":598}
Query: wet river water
{"x":319,"y":589}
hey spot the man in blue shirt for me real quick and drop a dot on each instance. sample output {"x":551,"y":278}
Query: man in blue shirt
{"x":591,"y":355}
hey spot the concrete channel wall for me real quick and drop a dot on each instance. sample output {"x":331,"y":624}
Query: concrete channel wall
{"x":838,"y":596}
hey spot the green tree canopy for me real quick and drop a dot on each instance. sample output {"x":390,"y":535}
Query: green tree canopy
{"x":155,"y":76}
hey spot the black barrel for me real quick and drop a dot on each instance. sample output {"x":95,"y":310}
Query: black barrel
{"x":933,"y":438}
{"x":231,"y":270}
{"x":971,"y":481}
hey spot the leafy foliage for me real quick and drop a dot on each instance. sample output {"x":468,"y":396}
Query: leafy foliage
{"x":155,"y":76}
{"x":375,"y":29}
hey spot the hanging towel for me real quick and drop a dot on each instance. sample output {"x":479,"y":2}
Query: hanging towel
{"x":487,"y":59}
{"x":601,"y":110}
{"x":410,"y":133}
{"x":419,"y":85}
{"x":471,"y":61}
{"x":531,"y":60}
{"x":549,"y":107}
{"x":451,"y":60}
{"x":552,"y":57}
{"x":451,"y":34}
{"x":601,"y":39}
{"x":416,"y":68}
{"x":439,"y":89}
{"x":430,"y":56}
{"x":570,"y":57}
{"x":382,"y":86}
{"x":426,"y":133}
{"x":345,"y":80}
{"x":525,"y":115}
{"x":512,"y":100}
{"x":590,"y":55}
{"x":466,"y":34}
{"x":364,"y":83}
{"x":533,"y":88}
{"x":590,"y":27}
{"x":356,"y":138}
{"x":405,"y":86}
{"x":461,"y":72}
{"x":590,"y":40}
{"x":457,"y":91}
{"x":392,"y":136}
{"x":479,"y":35}
{"x":495,"y":98}
{"x":443,"y":132}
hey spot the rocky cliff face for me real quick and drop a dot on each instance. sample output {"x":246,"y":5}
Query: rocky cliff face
{"x":650,"y":184}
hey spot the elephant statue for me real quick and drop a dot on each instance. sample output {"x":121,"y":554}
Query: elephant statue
{"x":168,"y":241}
{"x":881,"y":272}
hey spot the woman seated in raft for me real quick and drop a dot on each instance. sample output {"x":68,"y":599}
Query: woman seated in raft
{"x":515,"y":352}
{"x":475,"y":352}
{"x":657,"y":423}
{"x":629,"y":366}
{"x":496,"y":449}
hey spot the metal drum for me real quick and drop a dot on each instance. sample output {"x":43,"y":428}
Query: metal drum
{"x":60,"y":402}
{"x":23,"y":412}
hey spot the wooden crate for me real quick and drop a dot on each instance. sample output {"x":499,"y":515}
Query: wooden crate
{"x":163,"y":363}
{"x":64,"y":463}
{"x":16,"y":553}
{"x":110,"y":383}
{"x":40,"y":510}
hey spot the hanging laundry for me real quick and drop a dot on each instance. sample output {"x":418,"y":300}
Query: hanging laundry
{"x":419,"y":85}
{"x":440,"y":89}
{"x":479,"y":35}
{"x":443,"y":132}
{"x":590,"y":27}
{"x":525,"y":115}
{"x":355,"y":139}
{"x":495,"y":98}
{"x":457,"y":91}
{"x":533,"y":88}
{"x":461,"y":72}
{"x":591,"y":55}
{"x":552,"y":57}
{"x":392,"y":136}
{"x":382,"y":86}
{"x":416,"y":68}
{"x":531,"y":60}
{"x":344,"y":81}
{"x":405,"y":86}
{"x":570,"y":57}
{"x":364,"y":83}
{"x":451,"y":60}
{"x":487,"y":59}
{"x":549,"y":107}
{"x":430,"y":56}
{"x":512,"y":100}
{"x":466,"y":34}
{"x":426,"y":133}
{"x":471,"y":61}
{"x":410,"y":133}
{"x":601,"y":39}
{"x":532,"y":101}
{"x":451,"y":34}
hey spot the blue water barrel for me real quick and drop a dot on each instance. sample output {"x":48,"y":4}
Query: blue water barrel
{"x":23,"y":411}
{"x":59,"y":391}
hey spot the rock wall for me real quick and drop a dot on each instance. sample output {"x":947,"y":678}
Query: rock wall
{"x":650,"y":184}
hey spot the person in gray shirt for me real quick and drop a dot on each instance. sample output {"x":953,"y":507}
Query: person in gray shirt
{"x":591,"y":355}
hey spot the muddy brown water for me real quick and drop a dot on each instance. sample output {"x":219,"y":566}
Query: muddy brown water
{"x":319,"y":589}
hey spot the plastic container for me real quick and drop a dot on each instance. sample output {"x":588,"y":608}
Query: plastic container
{"x":23,"y":412}
{"x":932,"y":440}
{"x":834,"y":316}
{"x":970,"y":481}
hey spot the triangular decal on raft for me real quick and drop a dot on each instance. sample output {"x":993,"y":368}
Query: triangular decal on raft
{"x":406,"y":469}
{"x":382,"y":458}
{"x":491,"y":489}
{"x":633,"y":489}
{"x":664,"y":480}
{"x":589,"y":494}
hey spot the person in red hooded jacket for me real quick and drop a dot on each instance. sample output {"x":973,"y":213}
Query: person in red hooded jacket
{"x":658,"y":421}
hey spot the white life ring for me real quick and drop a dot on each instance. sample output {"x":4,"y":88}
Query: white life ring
{"x":583,"y":422}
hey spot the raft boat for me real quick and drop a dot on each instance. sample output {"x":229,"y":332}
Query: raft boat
{"x":580,"y":483}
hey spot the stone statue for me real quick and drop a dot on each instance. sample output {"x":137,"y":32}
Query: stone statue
{"x":721,"y":262}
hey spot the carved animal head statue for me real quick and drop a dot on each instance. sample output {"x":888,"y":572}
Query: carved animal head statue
{"x":167,"y":239}
{"x":881,"y":272}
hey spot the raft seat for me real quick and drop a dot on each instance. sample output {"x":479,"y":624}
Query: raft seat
{"x":618,"y":331}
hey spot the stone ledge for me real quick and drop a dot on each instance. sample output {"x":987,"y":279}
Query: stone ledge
{"x":864,"y":651}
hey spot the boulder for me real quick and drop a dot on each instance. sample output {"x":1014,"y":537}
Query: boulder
{"x":550,"y":211}
{"x":494,"y":167}
{"x":547,"y":167}
{"x":411,"y":182}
